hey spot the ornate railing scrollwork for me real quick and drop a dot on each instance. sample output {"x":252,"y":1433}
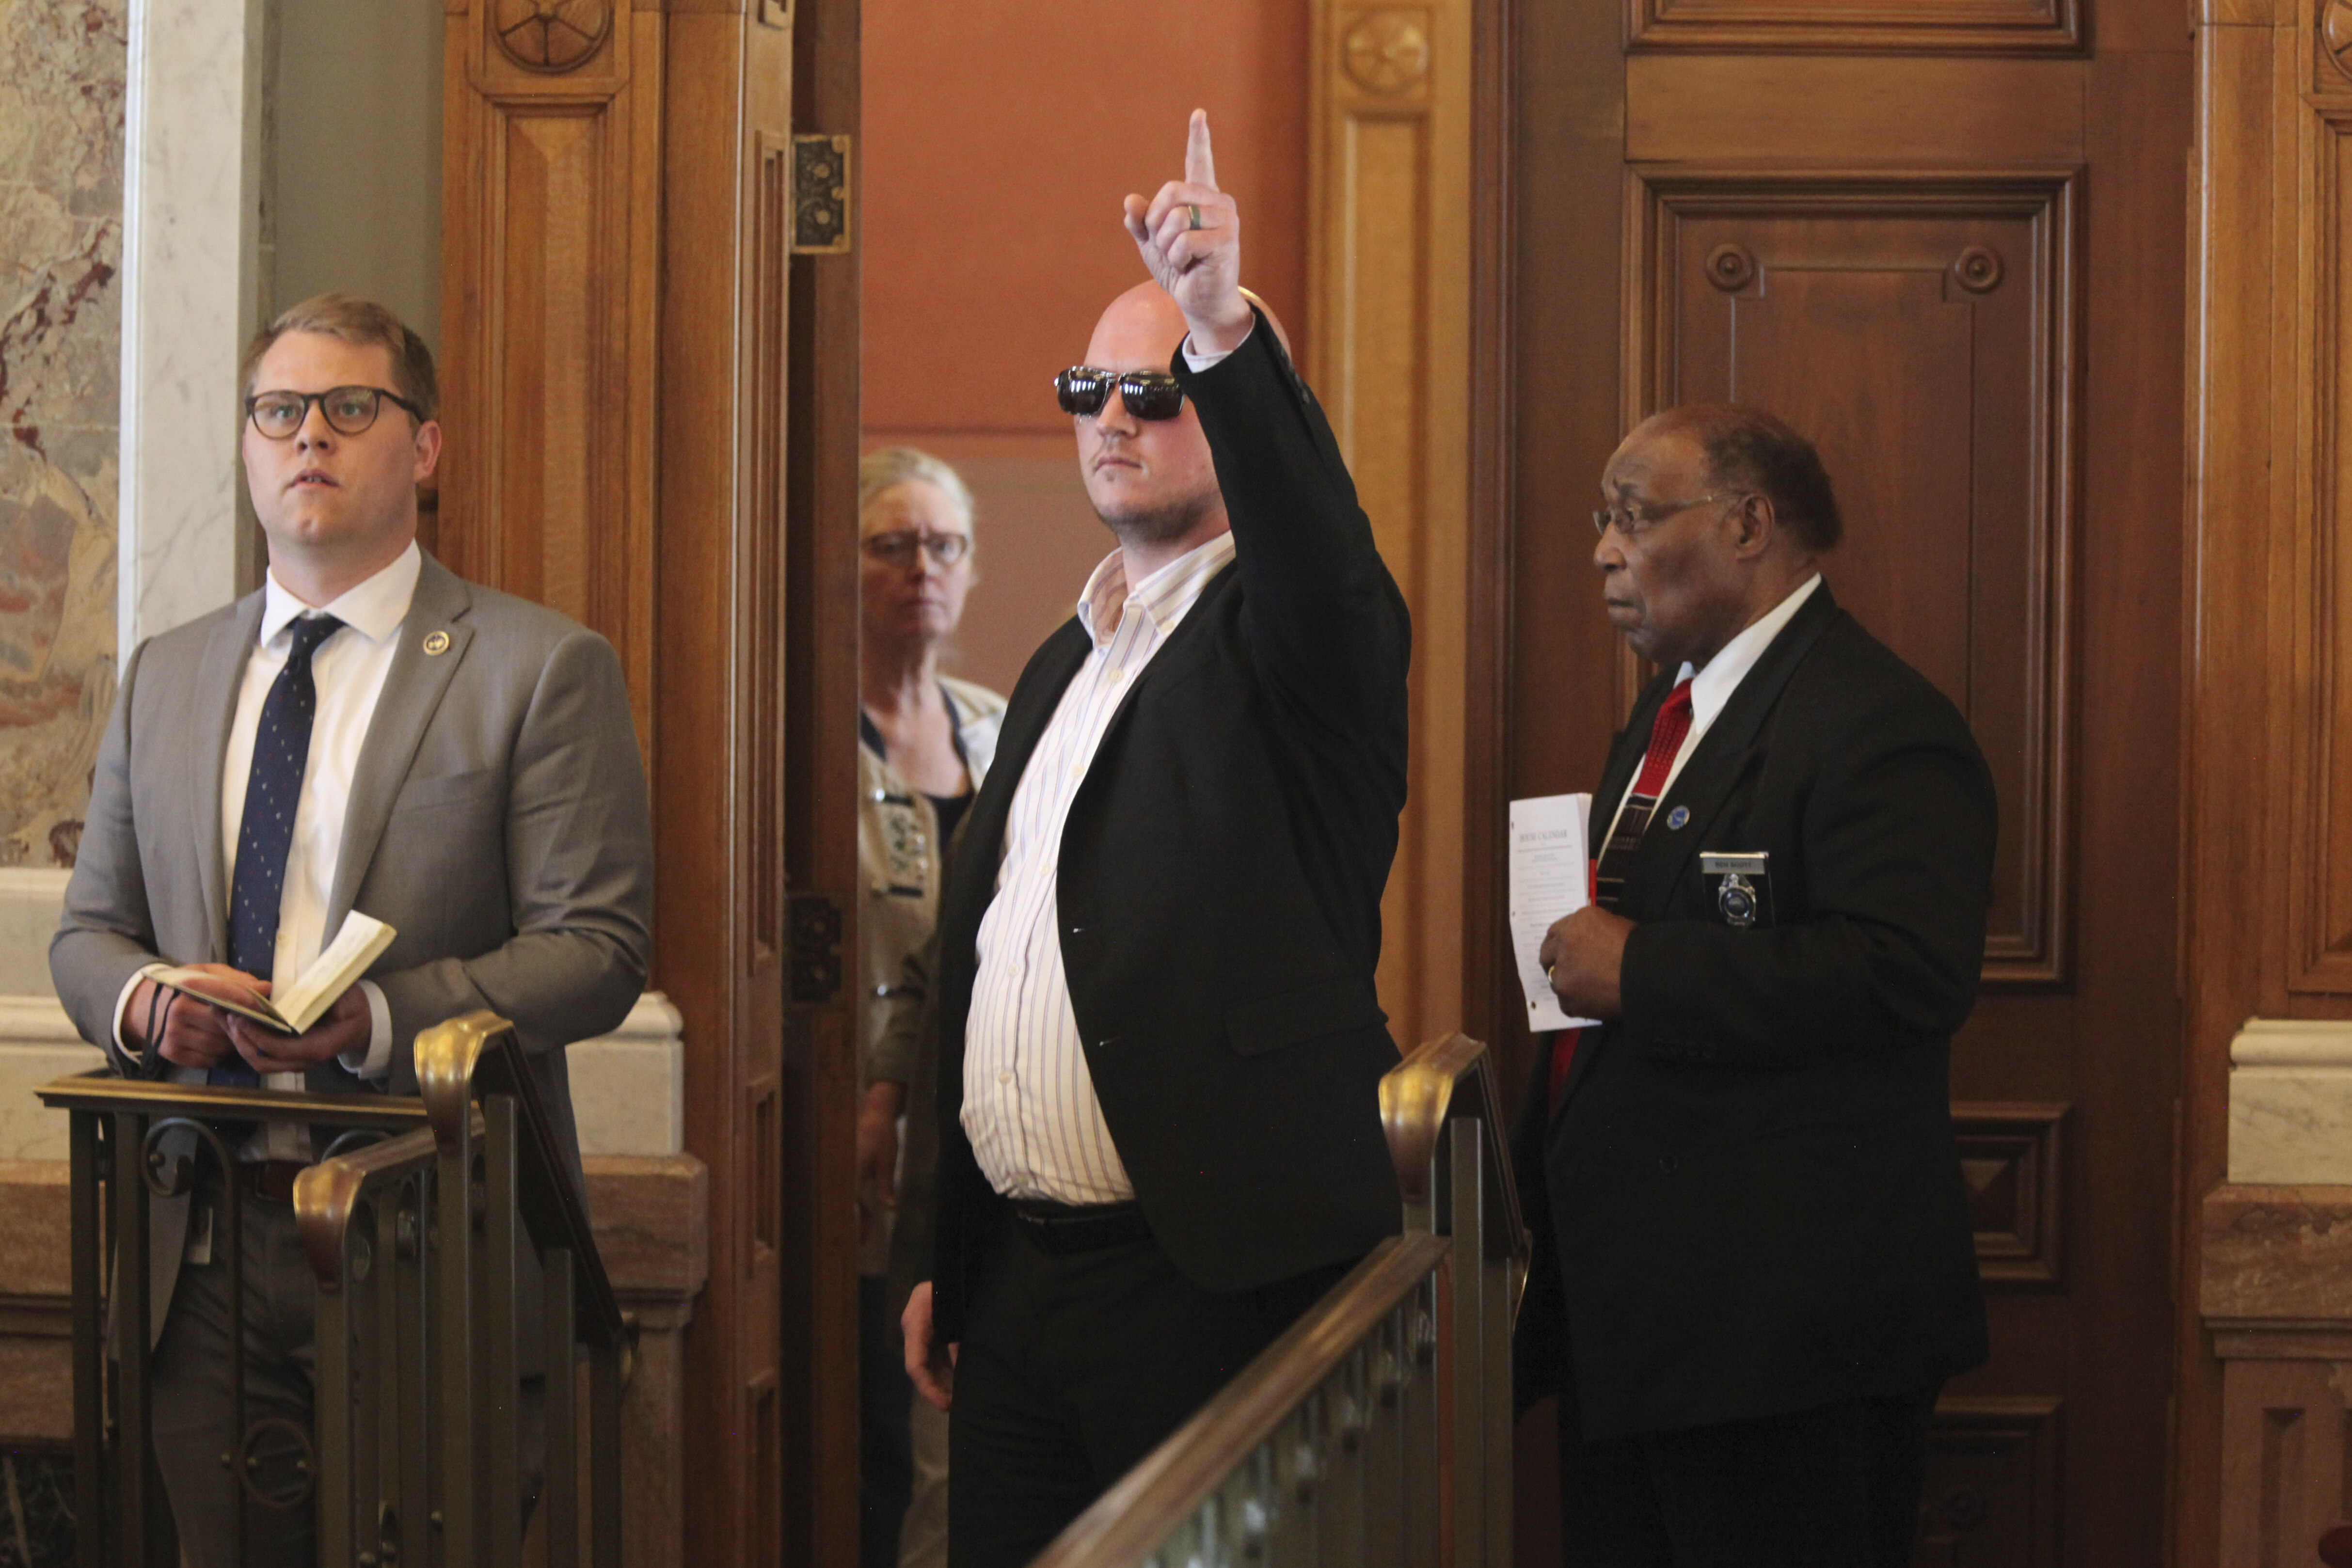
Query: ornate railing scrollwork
{"x":427,"y":1226}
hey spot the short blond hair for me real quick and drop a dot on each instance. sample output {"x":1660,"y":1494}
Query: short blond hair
{"x":886,"y":468}
{"x":354,"y":320}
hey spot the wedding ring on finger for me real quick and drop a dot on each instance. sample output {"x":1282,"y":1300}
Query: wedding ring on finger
{"x":1192,"y":213}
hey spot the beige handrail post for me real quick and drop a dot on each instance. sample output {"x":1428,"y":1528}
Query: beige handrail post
{"x":1447,"y":1136}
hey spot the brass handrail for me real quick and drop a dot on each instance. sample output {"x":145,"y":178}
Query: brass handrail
{"x":100,"y":1091}
{"x":458,"y":1063}
{"x":1137,"y":1514}
{"x":1296,"y":1489}
{"x":1417,"y":1097}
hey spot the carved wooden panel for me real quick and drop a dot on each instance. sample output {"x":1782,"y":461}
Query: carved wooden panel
{"x":1920,"y":327}
{"x":2331,"y":63}
{"x":1992,"y":1498}
{"x":2010,"y":1159}
{"x":548,"y":318}
{"x":2320,"y":776}
{"x":1858,"y":27}
{"x":764,"y":1112}
{"x":2286,"y":1451}
{"x":1387,"y":265}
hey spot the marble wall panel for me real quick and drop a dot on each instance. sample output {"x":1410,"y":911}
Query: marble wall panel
{"x":61,"y":104}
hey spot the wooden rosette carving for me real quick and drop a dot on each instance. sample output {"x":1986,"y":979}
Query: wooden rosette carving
{"x":552,"y":37}
{"x":1387,"y":51}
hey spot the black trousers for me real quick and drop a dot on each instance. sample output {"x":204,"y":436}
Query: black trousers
{"x":1073,"y":1368}
{"x":885,"y":1448}
{"x":1837,"y":1487}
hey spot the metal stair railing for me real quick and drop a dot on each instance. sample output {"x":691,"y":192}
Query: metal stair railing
{"x":131,"y":1140}
{"x":419,"y":1415}
{"x":1377,"y":1430}
{"x":421,"y":1339}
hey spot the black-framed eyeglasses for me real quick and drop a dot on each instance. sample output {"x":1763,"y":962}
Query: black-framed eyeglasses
{"x":350,"y":411}
{"x":1631,"y":520}
{"x":898,"y":548}
{"x":1148,"y":394}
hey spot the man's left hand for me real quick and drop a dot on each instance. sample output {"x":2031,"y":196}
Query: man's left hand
{"x":1191,"y":237}
{"x":345,"y":1030}
{"x":1582,"y":953}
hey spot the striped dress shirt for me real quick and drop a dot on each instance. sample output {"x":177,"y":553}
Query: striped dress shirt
{"x":1029,"y":1103}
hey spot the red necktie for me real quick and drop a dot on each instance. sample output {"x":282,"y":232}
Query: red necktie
{"x":1666,"y":733}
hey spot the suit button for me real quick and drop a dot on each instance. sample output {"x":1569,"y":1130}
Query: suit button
{"x":1668,"y":1164}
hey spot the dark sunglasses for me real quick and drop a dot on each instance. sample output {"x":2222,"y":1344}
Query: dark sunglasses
{"x":1148,"y":394}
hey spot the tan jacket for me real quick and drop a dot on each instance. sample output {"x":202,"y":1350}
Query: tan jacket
{"x":902,"y":864}
{"x":900,"y":860}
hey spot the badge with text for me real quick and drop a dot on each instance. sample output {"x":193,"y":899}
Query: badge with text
{"x":1742,"y":885}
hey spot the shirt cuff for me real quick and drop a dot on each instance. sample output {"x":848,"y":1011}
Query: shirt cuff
{"x":1197,"y":363}
{"x":123,"y":1005}
{"x":378,"y":1060}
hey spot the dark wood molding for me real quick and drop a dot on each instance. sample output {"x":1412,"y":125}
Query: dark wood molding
{"x":2009,"y":623}
{"x":1857,"y":26}
{"x":1993,"y":1492}
{"x":818,"y":1483}
{"x":2012,"y":1162}
{"x":1490,"y":1004}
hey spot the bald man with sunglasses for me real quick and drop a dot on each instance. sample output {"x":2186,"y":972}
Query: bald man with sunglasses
{"x":1159,"y":1042}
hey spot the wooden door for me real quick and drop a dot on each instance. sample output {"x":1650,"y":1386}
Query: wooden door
{"x":1947,"y":243}
{"x":652,"y":406}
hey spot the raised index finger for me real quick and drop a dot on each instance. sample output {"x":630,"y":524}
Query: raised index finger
{"x":1199,"y":165}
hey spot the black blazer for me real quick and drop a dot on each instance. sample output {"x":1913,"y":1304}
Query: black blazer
{"x":1750,"y":1203}
{"x":1220,"y":876}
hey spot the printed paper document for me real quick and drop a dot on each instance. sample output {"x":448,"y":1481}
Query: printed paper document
{"x":1551,"y":876}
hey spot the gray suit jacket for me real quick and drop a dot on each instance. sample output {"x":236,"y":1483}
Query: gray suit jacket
{"x":497,"y":823}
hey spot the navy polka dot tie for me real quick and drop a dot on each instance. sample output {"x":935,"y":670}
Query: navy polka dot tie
{"x":281,"y":751}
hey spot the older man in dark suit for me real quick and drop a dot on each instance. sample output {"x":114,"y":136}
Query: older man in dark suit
{"x":1755,"y":1263}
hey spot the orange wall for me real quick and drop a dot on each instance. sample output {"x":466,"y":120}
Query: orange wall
{"x":998,"y":140}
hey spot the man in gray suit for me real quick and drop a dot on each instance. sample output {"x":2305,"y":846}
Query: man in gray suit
{"x":368,"y":733}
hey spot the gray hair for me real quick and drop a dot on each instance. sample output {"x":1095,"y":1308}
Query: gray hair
{"x":888,"y":467}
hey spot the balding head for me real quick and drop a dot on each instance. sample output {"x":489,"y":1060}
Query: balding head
{"x":1748,"y":449}
{"x":1698,"y":545}
{"x":1145,"y":315}
{"x":1140,"y":331}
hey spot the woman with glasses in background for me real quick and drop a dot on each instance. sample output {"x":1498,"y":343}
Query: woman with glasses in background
{"x":927,"y":742}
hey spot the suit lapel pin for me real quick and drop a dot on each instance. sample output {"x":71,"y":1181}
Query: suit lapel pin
{"x":438,"y":643}
{"x":1677,"y":817}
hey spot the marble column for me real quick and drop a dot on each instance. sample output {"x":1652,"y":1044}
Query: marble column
{"x":191,"y":289}
{"x":60,"y":252}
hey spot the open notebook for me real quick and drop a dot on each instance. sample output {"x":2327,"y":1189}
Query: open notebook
{"x":304,"y":1000}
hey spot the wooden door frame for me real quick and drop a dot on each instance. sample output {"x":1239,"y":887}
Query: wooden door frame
{"x":820,"y":1318}
{"x":1489,"y":1003}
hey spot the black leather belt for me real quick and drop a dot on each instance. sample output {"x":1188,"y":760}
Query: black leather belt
{"x":1061,"y":1229}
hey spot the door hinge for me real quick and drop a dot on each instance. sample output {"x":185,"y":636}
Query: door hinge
{"x":814,"y":948}
{"x":821,"y":195}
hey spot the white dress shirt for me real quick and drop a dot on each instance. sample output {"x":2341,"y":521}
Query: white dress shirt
{"x":1029,"y":1103}
{"x":348,"y":671}
{"x":1712,"y":688}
